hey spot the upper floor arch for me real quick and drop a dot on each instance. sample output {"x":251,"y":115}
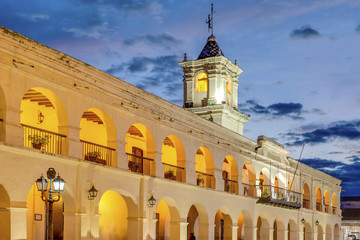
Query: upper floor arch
{"x":44,"y":120}
{"x":140,"y":148}
{"x":98,"y":137}
{"x":173,"y":158}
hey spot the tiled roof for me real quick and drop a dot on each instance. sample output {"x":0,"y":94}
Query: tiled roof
{"x":211,"y":49}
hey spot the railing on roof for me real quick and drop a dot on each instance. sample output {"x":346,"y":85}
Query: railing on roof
{"x":42,"y":139}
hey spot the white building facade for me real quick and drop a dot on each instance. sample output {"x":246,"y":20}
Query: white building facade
{"x":97,"y":130}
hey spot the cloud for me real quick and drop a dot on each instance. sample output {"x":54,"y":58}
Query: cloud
{"x":34,"y":17}
{"x":277,"y":110}
{"x":348,"y":130}
{"x":305,"y":32}
{"x":159,"y":73}
{"x":160,"y":39}
{"x":348,"y":173}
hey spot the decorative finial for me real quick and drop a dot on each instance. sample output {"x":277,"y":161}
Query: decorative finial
{"x":235,"y":62}
{"x":185,"y":57}
{"x":210,"y":20}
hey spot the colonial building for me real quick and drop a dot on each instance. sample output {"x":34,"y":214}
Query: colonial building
{"x":161,"y":171}
{"x":350,"y":224}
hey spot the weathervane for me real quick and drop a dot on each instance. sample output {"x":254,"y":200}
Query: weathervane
{"x":210,"y":20}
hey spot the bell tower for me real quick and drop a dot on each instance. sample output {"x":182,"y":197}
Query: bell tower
{"x":211,"y":85}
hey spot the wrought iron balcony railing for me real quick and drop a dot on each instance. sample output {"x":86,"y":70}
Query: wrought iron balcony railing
{"x":173,"y":172}
{"x":306,"y":203}
{"x":269,"y":194}
{"x":327,"y":208}
{"x":139,"y":164}
{"x":230,"y":185}
{"x":318,"y":206}
{"x":249,"y":190}
{"x":97,"y":153}
{"x":205,"y":180}
{"x":334,"y":210}
{"x":42,"y":139}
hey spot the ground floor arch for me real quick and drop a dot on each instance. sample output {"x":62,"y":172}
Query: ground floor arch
{"x":320,"y":233}
{"x":262,"y":228}
{"x":4,"y":213}
{"x":292,"y":230}
{"x":114,"y":215}
{"x":336,"y":232}
{"x":278,"y":230}
{"x":328,"y":234}
{"x":223,"y":226}
{"x":197,"y":219}
{"x":36,"y":216}
{"x":168,"y":220}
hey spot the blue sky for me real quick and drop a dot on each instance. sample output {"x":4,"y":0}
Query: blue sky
{"x":300,"y":59}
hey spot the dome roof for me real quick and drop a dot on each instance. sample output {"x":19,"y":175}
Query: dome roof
{"x":211,"y":49}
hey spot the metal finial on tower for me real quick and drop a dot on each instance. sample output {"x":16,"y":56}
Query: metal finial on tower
{"x":210,"y":20}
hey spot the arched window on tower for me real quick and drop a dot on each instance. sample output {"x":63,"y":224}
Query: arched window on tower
{"x":228,"y":85}
{"x":202,"y":82}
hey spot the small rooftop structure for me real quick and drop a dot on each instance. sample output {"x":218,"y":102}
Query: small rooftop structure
{"x":211,"y":49}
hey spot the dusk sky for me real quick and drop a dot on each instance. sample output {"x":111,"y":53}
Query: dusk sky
{"x":301,"y":61}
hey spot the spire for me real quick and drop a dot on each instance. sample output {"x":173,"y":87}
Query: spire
{"x":211,"y":49}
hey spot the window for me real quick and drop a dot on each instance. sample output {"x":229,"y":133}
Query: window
{"x":228,"y":85}
{"x":202,"y":83}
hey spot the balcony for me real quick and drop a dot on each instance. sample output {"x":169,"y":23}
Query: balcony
{"x":97,"y":153}
{"x":139,"y":164}
{"x":306,"y":203}
{"x":249,"y":190}
{"x":173,"y":172}
{"x":327,"y":208}
{"x":318,"y":206}
{"x":334,"y":210}
{"x":280,"y":197}
{"x":205,"y":180}
{"x":230,"y":185}
{"x":42,"y":139}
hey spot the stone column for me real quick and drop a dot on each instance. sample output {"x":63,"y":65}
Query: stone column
{"x":211,"y":230}
{"x":190,"y":172}
{"x":286,"y":232}
{"x":74,"y":144}
{"x":183,"y":229}
{"x":122,"y":158}
{"x":11,"y":124}
{"x":72,"y":225}
{"x":219,"y":181}
{"x":234,"y":232}
{"x":135,"y":229}
{"x":254,"y":234}
{"x":18,"y":222}
{"x":159,"y":165}
{"x":203,"y":231}
{"x":271,"y":233}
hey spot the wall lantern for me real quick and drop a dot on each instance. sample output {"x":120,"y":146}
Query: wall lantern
{"x":303,"y":221}
{"x":317,"y":222}
{"x":40,"y":117}
{"x":151,"y":201}
{"x":92,"y":193}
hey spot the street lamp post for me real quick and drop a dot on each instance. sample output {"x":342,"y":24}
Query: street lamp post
{"x":50,"y":194}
